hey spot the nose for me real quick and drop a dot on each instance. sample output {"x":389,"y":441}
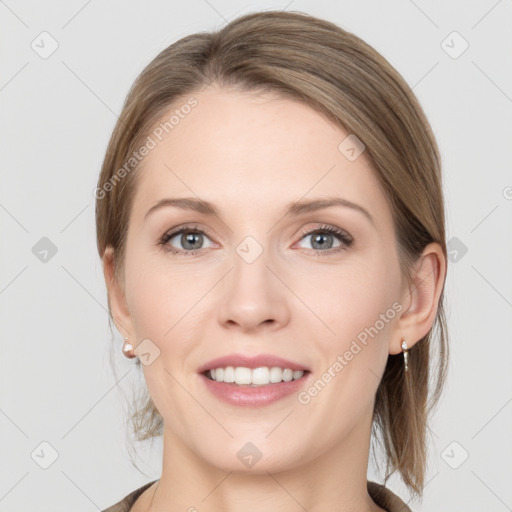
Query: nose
{"x":253,"y":296}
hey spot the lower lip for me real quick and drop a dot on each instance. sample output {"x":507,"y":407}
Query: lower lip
{"x":253,"y":396}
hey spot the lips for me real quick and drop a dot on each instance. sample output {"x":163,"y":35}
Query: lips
{"x":252,"y":362}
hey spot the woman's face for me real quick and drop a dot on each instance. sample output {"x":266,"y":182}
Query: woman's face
{"x":320,"y":287}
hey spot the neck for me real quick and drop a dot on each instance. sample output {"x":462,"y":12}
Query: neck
{"x":334,"y":480}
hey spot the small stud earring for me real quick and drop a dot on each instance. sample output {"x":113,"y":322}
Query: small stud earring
{"x":406,"y":354}
{"x":128,"y":349}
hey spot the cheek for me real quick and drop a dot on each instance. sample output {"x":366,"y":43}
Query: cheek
{"x":159,"y":299}
{"x":359,"y":306}
{"x":163,"y":307}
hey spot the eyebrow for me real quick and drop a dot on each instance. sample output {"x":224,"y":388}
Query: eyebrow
{"x":294,"y":208}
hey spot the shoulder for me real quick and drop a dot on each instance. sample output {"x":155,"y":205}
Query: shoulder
{"x":386,"y":499}
{"x":127,"y":502}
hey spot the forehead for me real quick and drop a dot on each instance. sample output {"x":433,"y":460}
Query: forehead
{"x":252,"y":152}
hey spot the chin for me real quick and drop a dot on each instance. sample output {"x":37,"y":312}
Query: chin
{"x":254,"y":457}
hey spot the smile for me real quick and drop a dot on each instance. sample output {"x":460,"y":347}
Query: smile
{"x":254,"y":395}
{"x":253,"y":377}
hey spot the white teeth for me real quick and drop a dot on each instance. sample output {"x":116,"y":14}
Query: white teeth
{"x":243,"y":375}
{"x":254,"y":377}
{"x":276,"y":374}
{"x":260,"y":376}
{"x":229,"y":374}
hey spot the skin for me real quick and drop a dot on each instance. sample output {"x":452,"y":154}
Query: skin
{"x":251,"y":155}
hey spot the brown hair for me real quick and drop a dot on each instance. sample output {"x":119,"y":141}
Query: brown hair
{"x":346,"y":80}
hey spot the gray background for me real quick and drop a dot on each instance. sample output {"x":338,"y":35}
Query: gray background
{"x":56,"y":385}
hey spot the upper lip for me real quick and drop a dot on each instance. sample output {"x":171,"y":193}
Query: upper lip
{"x":257,"y":361}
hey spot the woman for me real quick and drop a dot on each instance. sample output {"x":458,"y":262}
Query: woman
{"x":271,"y":224}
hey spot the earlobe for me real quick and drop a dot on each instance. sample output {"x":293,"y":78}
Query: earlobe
{"x":422,"y":295}
{"x":116,"y":295}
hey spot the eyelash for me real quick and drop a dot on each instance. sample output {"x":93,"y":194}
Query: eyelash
{"x":343,"y":236}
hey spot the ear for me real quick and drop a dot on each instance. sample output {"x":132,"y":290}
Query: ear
{"x":420,"y":298}
{"x":116,"y":296}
